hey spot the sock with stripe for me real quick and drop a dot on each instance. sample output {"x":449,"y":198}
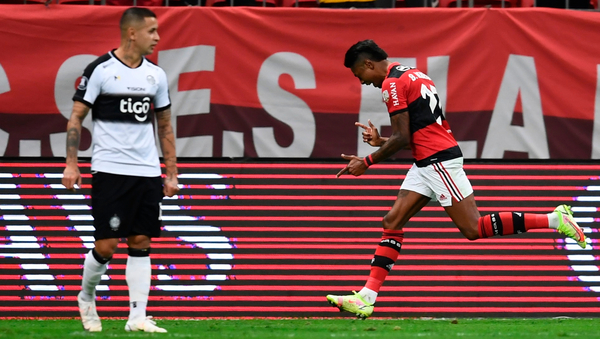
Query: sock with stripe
{"x":385,"y":256}
{"x":505,"y":223}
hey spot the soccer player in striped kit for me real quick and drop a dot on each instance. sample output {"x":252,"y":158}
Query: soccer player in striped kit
{"x":418,"y":123}
{"x":124,"y":91}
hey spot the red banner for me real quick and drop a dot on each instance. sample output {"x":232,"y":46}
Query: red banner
{"x":270,"y":82}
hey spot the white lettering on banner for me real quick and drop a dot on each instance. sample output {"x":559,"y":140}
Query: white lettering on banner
{"x":285,"y":106}
{"x":520,"y":76}
{"x":596,"y":131}
{"x":372,"y":108}
{"x":185,"y":60}
{"x":66,"y":76}
{"x":4,"y":87}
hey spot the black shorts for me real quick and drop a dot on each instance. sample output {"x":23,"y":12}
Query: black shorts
{"x":124,"y":205}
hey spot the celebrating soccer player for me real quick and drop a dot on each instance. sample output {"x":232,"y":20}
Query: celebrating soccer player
{"x":437,"y":173}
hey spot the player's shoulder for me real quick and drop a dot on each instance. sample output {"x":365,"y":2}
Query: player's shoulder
{"x":148,"y":63}
{"x":156,"y":69}
{"x":102,"y":60}
{"x":398,"y":70}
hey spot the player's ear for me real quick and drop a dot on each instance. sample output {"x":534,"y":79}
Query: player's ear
{"x":131,"y":33}
{"x":369,"y":64}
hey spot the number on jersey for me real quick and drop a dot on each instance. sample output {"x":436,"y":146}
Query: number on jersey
{"x":433,"y":101}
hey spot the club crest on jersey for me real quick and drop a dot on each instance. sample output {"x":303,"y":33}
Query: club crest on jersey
{"x":151,"y":80}
{"x":138,"y":107}
{"x":386,"y":96}
{"x":83,"y":83}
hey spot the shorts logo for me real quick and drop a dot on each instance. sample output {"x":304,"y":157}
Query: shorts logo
{"x":443,"y":197}
{"x":115,"y":222}
{"x":386,"y":96}
{"x":83,"y":83}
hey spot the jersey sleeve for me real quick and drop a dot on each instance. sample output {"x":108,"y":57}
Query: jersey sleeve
{"x":162,"y":101}
{"x":395,"y":96}
{"x":89,"y":85}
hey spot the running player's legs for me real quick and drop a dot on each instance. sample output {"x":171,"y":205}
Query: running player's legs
{"x":413,"y":196}
{"x":407,"y":204}
{"x":465,"y":216}
{"x":448,"y":179}
{"x":453,"y":190}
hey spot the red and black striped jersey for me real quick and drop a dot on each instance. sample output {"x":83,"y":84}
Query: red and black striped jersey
{"x":408,"y":89}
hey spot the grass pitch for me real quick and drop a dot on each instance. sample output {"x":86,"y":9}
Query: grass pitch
{"x":314,"y":328}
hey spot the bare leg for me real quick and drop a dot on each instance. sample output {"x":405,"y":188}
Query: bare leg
{"x":465,"y":216}
{"x":405,"y":207}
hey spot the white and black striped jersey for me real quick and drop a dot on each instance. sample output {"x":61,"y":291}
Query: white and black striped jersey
{"x":121,"y":99}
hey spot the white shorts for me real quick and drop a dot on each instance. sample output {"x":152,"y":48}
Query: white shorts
{"x":441,"y":181}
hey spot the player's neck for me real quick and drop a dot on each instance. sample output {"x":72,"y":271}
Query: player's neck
{"x":128,"y":56}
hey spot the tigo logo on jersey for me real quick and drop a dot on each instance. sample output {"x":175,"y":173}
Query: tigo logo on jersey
{"x":139,"y":108}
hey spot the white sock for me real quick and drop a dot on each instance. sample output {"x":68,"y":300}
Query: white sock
{"x":368,"y":295}
{"x":92,"y":274}
{"x":553,"y":220}
{"x":138,"y":275}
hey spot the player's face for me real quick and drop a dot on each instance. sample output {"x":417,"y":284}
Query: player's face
{"x":147,"y":36}
{"x":365,"y":72}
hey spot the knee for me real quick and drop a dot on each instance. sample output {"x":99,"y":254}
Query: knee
{"x":389,"y":222}
{"x":471,"y":232}
{"x":106,"y":247}
{"x":138,"y":241}
{"x":470,"y":235}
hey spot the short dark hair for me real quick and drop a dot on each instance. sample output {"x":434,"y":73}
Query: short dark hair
{"x":134,"y":15}
{"x":364,"y":49}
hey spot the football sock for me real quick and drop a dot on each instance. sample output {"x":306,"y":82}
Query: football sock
{"x":368,"y":295}
{"x":505,"y":223}
{"x":383,"y":261}
{"x":94,"y":267}
{"x":138,"y":274}
{"x":553,"y":220}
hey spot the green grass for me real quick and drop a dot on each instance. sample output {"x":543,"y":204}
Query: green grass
{"x":315,"y":328}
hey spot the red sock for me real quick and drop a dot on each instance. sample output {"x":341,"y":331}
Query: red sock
{"x":505,"y":223}
{"x":384,"y":258}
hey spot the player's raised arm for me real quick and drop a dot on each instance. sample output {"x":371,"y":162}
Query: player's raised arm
{"x":71,"y":174}
{"x":371,"y":135}
{"x":399,"y":139}
{"x":167,"y":145}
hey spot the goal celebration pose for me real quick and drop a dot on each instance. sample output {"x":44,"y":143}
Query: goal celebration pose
{"x":437,"y":173}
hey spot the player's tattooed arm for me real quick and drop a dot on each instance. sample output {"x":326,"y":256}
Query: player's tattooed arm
{"x":71,"y":174}
{"x":79,"y":112}
{"x":166,"y":138}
